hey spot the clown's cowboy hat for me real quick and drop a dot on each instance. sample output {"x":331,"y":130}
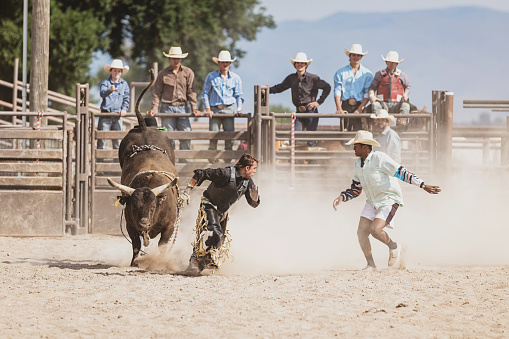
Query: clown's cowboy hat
{"x":392,"y":56}
{"x":117,"y":63}
{"x":363,"y":137}
{"x":301,"y":57}
{"x":224,"y":56}
{"x":176,"y":52}
{"x":383,"y":114}
{"x":355,"y":49}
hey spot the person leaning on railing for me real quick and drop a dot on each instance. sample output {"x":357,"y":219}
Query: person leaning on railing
{"x":114,"y":92}
{"x":304,"y":87}
{"x":351,"y":85}
{"x":174,"y":87}
{"x":221,"y":90}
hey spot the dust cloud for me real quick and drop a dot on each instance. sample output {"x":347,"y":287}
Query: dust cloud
{"x":296,"y":231}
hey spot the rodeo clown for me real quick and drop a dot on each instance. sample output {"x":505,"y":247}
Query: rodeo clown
{"x":377,"y":174}
{"x":229,"y":184}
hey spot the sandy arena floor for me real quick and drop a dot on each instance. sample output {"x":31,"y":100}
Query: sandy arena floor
{"x":295,"y":273}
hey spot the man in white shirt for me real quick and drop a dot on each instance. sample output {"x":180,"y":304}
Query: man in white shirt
{"x":378,"y":174}
{"x":388,"y":138}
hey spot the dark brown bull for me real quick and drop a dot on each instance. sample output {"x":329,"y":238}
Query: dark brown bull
{"x":148,"y":184}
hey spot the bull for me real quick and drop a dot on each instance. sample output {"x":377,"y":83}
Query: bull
{"x":149,"y":183}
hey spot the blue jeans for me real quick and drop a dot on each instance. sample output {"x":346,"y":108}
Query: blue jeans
{"x":307,"y":124}
{"x":176,"y":124}
{"x":215,"y":124}
{"x":109,"y":124}
{"x":389,"y":106}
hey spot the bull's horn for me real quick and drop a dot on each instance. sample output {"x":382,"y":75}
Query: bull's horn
{"x":160,"y":189}
{"x":122,"y":188}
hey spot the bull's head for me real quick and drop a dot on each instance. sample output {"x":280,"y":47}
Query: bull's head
{"x":143,"y":202}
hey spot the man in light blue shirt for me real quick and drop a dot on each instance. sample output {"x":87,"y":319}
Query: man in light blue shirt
{"x":221,"y":90}
{"x":114,"y":92}
{"x":388,"y":138}
{"x":377,"y":174}
{"x":351,"y":84}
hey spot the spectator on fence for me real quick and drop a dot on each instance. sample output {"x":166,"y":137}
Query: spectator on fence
{"x":387,"y":137}
{"x":351,"y":84}
{"x":304,"y":88}
{"x":391,"y":86}
{"x":114,"y":92}
{"x":174,"y":87}
{"x":221,"y":90}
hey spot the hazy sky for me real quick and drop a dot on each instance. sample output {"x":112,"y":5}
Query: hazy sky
{"x":283,"y":10}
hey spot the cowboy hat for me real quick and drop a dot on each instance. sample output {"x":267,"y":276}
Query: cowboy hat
{"x":117,"y":63}
{"x":355,"y":49}
{"x":223,"y":56}
{"x":383,"y":114}
{"x":175,"y":52}
{"x":301,"y":57}
{"x":363,"y":137}
{"x":392,"y":56}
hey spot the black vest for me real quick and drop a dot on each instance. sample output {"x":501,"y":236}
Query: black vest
{"x":225,"y":196}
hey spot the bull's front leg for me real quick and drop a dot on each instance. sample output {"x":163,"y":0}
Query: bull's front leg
{"x":164,"y":239}
{"x":136,"y":243}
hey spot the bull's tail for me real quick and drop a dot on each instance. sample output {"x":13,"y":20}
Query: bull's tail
{"x":141,"y":121}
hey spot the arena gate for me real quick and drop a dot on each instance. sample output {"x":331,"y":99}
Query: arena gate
{"x":34,"y":177}
{"x":330,"y":158}
{"x":61,"y":187}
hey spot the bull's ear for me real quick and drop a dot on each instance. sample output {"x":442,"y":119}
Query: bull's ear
{"x":122,"y":188}
{"x":174,"y":181}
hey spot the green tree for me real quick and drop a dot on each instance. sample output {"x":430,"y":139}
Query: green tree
{"x":137,"y":31}
{"x":75,"y":34}
{"x":201,"y":27}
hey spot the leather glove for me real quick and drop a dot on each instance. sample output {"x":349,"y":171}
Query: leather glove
{"x":186,"y":195}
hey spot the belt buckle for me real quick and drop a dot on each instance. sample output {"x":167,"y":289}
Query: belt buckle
{"x":175,"y":104}
{"x":302,"y":109}
{"x":221,"y":107}
{"x":352,"y":101}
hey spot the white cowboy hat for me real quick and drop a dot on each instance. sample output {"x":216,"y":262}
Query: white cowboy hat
{"x":117,"y":63}
{"x":392,"y":56}
{"x":224,"y":56}
{"x":363,"y":137}
{"x":175,"y":52}
{"x":355,"y":49}
{"x":383,"y":114}
{"x":301,"y":57}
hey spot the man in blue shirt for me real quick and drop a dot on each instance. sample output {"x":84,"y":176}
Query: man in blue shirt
{"x":351,"y":84}
{"x":221,"y":90}
{"x":114,"y":92}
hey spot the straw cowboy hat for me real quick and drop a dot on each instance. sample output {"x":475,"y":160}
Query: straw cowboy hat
{"x":392,"y":56}
{"x":383,"y":114}
{"x":355,"y":49}
{"x":175,"y":52}
{"x":117,"y":63}
{"x":363,"y":137}
{"x":301,"y":57}
{"x":223,"y":56}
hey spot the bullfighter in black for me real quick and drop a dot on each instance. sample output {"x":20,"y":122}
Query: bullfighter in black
{"x":229,"y":184}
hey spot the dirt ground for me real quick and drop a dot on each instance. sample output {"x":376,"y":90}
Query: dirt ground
{"x":53,"y":289}
{"x":294,"y":272}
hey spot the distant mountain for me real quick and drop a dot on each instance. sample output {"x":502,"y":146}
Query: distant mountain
{"x":461,"y":49}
